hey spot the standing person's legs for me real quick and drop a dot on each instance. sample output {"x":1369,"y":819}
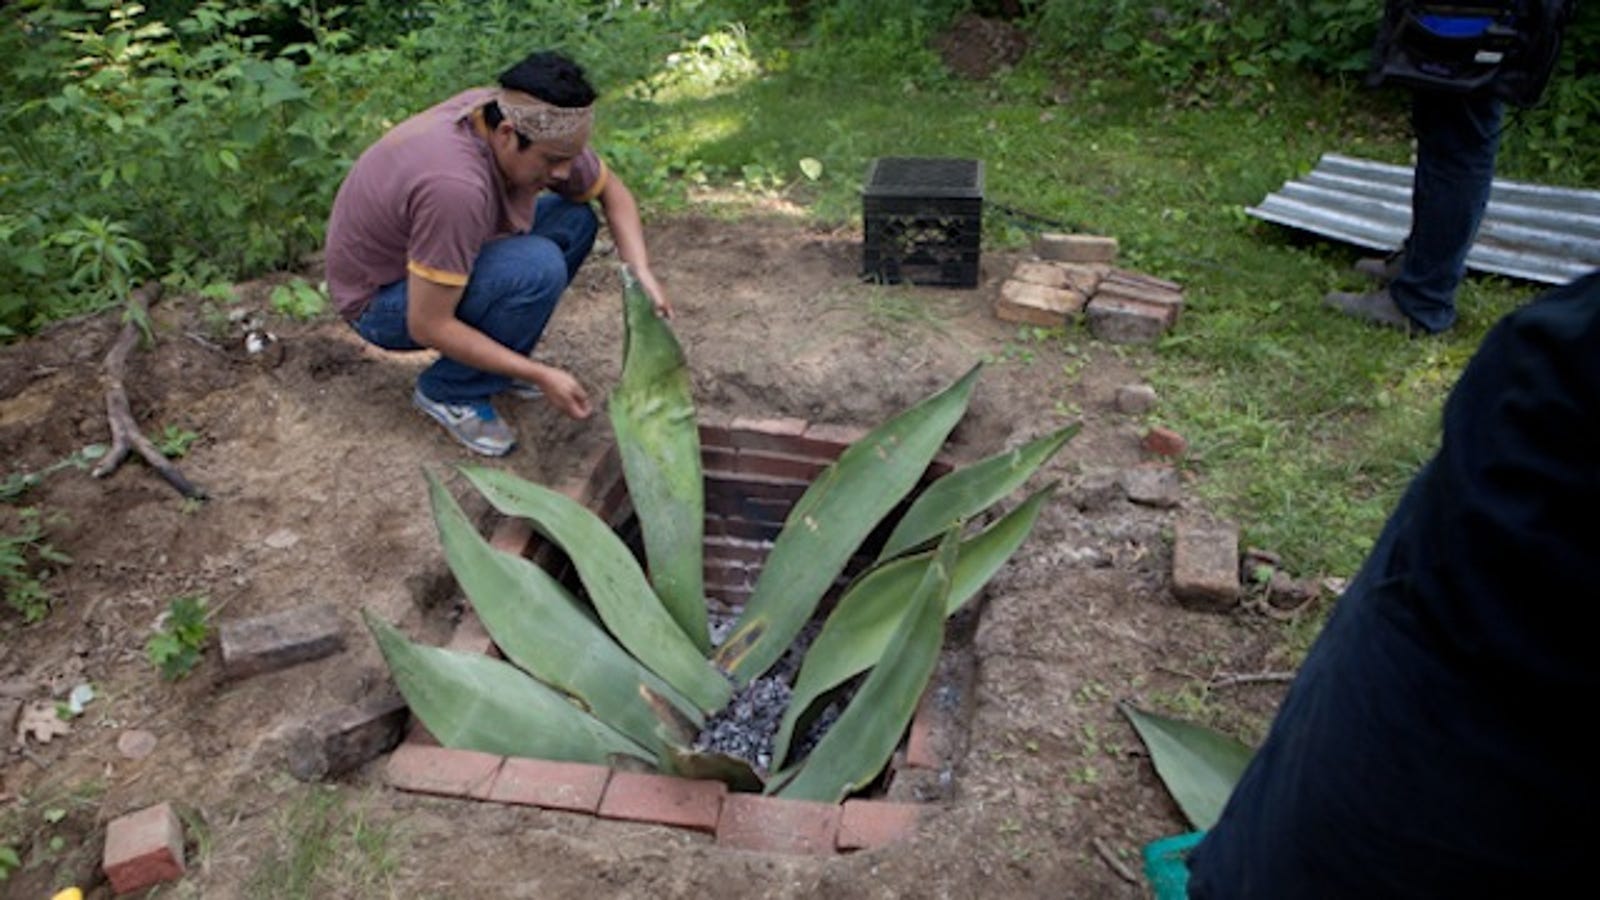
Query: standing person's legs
{"x":1458,"y":137}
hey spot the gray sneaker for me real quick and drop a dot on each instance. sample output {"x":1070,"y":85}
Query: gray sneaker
{"x":1382,"y":269}
{"x":473,"y":424}
{"x":1377,"y":308}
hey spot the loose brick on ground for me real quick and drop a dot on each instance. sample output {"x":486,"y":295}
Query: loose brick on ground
{"x":1162,"y":297}
{"x":1077,"y":248}
{"x":1118,"y":320}
{"x":864,"y":824}
{"x":775,"y":825}
{"x":143,"y":848}
{"x":1036,"y":304}
{"x":1143,"y":278}
{"x":663,"y":800}
{"x":1164,"y":442}
{"x":575,"y":787}
{"x":1205,"y":565}
{"x":345,"y":738}
{"x":440,"y":770}
{"x":276,"y":641}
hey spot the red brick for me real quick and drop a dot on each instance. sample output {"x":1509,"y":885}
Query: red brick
{"x":752,"y":486}
{"x":920,"y":750}
{"x":576,"y":787}
{"x":470,"y":636}
{"x":733,"y":548}
{"x":715,"y":435}
{"x":144,"y":848}
{"x":512,"y":535}
{"x":1164,"y":442}
{"x":663,"y":800}
{"x":774,"y":825}
{"x":766,"y":434}
{"x":796,"y":468}
{"x":441,"y":770}
{"x":1146,"y":293}
{"x":831,"y":440}
{"x":716,"y":459}
{"x":729,"y":574}
{"x":865,"y":824}
{"x":1127,"y":276}
{"x":1036,"y":304}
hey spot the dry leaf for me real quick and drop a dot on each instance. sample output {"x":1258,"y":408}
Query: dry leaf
{"x":40,"y":719}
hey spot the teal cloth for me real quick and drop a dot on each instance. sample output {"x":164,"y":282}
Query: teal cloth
{"x":1166,"y":865}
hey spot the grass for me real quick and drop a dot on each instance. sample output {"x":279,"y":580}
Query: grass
{"x":325,"y":847}
{"x":1305,"y":426}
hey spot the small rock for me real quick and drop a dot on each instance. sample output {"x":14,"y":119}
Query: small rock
{"x":1135,"y":399}
{"x":282,"y":539}
{"x":1164,"y":442}
{"x":136,"y":743}
{"x":1156,"y":486}
{"x":1094,"y":491}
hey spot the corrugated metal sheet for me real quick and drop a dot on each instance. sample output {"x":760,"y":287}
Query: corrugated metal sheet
{"x":1531,"y":231}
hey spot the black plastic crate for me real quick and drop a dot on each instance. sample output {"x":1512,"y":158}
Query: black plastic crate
{"x":922,"y":220}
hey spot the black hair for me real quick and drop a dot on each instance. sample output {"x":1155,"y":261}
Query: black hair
{"x":548,"y":75}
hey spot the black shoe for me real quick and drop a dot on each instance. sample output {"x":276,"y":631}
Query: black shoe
{"x":1377,"y":308}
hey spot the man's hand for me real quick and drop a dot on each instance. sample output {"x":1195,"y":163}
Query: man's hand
{"x":658,"y":297}
{"x":565,"y":393}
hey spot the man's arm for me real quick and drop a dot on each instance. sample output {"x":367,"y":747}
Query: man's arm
{"x":622,"y":217}
{"x":431,"y":319}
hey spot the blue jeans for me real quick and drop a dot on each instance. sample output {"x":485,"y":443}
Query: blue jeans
{"x":1458,"y":136}
{"x":514,"y":287}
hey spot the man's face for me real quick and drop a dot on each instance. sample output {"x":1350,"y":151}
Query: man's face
{"x":541,"y":162}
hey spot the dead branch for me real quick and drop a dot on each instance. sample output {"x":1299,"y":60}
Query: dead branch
{"x":1229,"y":679}
{"x":1117,"y":865}
{"x":125,"y":435}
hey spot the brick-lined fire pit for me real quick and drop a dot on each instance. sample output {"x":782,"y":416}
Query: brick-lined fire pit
{"x":755,"y":470}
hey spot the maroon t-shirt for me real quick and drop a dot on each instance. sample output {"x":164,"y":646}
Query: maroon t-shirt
{"x":425,"y":199}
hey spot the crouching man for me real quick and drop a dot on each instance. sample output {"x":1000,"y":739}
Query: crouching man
{"x":460,"y":229}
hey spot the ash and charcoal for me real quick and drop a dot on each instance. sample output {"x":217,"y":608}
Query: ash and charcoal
{"x":747,"y":726}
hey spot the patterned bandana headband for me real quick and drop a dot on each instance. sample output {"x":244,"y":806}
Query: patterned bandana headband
{"x":540,"y":121}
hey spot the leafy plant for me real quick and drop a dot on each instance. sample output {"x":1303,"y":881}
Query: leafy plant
{"x":299,"y":300}
{"x":639,"y":676}
{"x":176,"y":647}
{"x":174,"y":441}
{"x":25,"y":558}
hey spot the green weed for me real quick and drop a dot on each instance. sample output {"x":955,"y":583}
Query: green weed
{"x":175,"y":649}
{"x":174,"y":441}
{"x":27,"y":560}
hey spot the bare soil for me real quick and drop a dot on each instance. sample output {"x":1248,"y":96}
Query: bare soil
{"x":315,"y":472}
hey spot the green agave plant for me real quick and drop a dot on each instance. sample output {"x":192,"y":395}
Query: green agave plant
{"x":630,"y":670}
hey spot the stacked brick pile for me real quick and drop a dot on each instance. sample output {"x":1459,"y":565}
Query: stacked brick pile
{"x":1075,"y":276}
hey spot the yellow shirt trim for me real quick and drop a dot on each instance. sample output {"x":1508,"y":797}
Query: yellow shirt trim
{"x":437,"y":276}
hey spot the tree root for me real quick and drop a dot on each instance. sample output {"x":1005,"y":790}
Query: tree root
{"x":125,"y":435}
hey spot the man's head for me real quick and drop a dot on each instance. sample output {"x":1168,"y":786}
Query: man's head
{"x":541,"y":119}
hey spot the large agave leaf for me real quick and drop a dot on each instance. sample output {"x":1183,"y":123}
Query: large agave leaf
{"x":861,"y":626}
{"x":858,"y":745}
{"x":1199,"y":766}
{"x":614,"y":582}
{"x":830,"y":521}
{"x":473,"y":702}
{"x":963,"y":494}
{"x":707,"y":765}
{"x":539,"y":626}
{"x":652,"y":413}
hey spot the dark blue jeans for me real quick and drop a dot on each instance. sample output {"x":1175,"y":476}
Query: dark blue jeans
{"x":514,"y":287}
{"x":1458,"y":136}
